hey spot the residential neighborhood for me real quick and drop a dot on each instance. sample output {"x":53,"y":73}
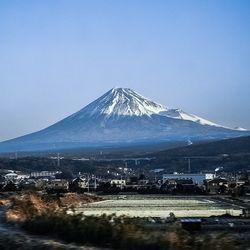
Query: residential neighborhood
{"x":126,"y":181}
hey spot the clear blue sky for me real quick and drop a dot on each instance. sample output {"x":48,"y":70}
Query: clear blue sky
{"x":57,"y":56}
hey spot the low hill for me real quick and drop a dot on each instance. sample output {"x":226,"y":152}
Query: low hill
{"x":231,"y":154}
{"x":227,"y":146}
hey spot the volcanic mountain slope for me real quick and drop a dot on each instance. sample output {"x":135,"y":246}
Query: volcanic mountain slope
{"x":121,"y":117}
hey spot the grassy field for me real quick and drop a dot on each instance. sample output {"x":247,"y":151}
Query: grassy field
{"x":159,"y":206}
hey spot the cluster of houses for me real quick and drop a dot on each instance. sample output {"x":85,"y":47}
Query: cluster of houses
{"x":208,"y":183}
{"x":45,"y":180}
{"x":175,"y":183}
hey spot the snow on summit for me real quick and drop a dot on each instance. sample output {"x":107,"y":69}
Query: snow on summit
{"x":126,"y":102}
{"x":122,"y":102}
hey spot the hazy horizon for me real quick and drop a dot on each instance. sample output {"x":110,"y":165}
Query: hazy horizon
{"x":58,"y":56}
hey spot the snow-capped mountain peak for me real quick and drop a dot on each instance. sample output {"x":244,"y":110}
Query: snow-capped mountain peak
{"x":122,"y":102}
{"x":121,"y":117}
{"x":126,"y":102}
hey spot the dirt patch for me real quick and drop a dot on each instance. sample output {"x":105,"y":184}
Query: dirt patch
{"x":36,"y":203}
{"x":4,"y":202}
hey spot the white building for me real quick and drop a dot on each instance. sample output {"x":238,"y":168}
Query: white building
{"x":196,"y":178}
{"x":11,"y":177}
{"x":42,"y":174}
{"x":80,"y":183}
{"x":22,"y":176}
{"x":118,"y":183}
{"x":15,"y":177}
{"x":58,"y":184}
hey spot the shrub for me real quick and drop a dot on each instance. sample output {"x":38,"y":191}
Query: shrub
{"x":121,"y":233}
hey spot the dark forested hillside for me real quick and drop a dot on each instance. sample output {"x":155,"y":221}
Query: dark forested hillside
{"x":228,"y":146}
{"x":231,"y":154}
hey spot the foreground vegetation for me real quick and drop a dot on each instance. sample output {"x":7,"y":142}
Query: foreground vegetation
{"x":123,"y":233}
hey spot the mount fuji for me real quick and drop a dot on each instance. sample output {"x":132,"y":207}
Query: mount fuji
{"x":121,"y":117}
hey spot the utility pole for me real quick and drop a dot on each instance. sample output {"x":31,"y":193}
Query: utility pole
{"x":95,"y":183}
{"x":58,"y":159}
{"x":189,"y":166}
{"x":88,"y":183}
{"x":199,"y":157}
